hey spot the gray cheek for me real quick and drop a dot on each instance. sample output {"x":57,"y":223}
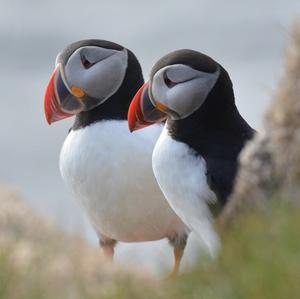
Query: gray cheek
{"x":100,"y":81}
{"x":105,"y":78}
{"x":188,"y":97}
{"x":74,"y":71}
{"x":185,"y":98}
{"x":159,"y":90}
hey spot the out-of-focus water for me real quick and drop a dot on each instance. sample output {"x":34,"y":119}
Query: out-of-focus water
{"x":247,"y":37}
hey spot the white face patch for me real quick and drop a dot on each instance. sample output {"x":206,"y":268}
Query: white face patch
{"x":182,"y":89}
{"x":99,"y":72}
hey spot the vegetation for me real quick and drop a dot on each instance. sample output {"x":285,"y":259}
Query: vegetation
{"x":260,"y":258}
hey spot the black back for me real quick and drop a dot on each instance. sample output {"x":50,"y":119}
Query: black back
{"x":116,"y":107}
{"x":217,"y":132}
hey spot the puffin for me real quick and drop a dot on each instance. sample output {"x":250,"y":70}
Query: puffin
{"x":107,"y":169}
{"x":195,"y":159}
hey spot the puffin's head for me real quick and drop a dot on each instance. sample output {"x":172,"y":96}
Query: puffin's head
{"x":179,"y":85}
{"x":87,"y":73}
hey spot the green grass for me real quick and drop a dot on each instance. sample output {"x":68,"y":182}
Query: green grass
{"x":260,"y":258}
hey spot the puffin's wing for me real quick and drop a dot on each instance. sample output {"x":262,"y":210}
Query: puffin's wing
{"x":220,"y":177}
{"x":222,"y":161}
{"x":181,"y":175}
{"x":195,"y":213}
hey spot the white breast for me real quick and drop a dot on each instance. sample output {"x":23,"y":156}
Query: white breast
{"x":181,"y":176}
{"x":109,"y":172}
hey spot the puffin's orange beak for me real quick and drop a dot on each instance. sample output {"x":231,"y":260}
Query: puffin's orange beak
{"x":52,"y":107}
{"x":62,"y":101}
{"x":142,"y":113}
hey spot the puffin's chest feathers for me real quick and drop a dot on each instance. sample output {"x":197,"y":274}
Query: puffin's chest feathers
{"x":220,"y":147}
{"x":181,"y":175}
{"x":179,"y":170}
{"x":109,"y":172}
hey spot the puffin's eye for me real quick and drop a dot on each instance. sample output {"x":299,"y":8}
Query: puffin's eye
{"x":168,"y":81}
{"x":85,"y":62}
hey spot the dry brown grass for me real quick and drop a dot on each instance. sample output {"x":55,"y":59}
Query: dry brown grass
{"x":37,"y":260}
{"x":270,"y":164}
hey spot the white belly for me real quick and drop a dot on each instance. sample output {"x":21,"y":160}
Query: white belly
{"x":109,"y":172}
{"x":181,"y":176}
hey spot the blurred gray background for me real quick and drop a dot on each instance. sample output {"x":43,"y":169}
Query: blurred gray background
{"x":247,"y":37}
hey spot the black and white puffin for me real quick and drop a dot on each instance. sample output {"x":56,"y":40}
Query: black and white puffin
{"x":108,"y":169}
{"x":196,"y":156}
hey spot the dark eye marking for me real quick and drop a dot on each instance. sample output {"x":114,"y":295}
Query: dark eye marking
{"x":168,"y":81}
{"x":85,"y":62}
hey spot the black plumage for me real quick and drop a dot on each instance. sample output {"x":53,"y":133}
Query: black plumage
{"x":216,"y":131}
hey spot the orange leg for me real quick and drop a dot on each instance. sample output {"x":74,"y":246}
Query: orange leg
{"x":178,"y":253}
{"x":108,"y":247}
{"x":178,"y":242}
